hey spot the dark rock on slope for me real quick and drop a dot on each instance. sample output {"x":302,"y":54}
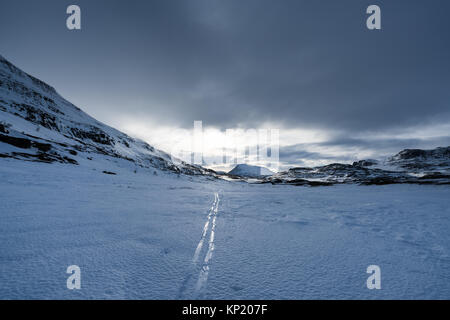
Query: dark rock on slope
{"x":37,"y":124}
{"x":408,"y":166}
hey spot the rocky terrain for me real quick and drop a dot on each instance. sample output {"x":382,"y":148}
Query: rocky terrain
{"x":408,"y":166}
{"x":37,"y":124}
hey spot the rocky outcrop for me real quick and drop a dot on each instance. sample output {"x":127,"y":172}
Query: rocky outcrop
{"x":37,"y":124}
{"x":408,"y":166}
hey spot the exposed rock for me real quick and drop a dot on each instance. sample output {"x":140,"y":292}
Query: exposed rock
{"x":3,"y":128}
{"x":412,"y":166}
{"x":365,"y":163}
{"x":26,"y":99}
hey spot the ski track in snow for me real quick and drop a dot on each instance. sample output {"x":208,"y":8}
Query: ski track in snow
{"x":134,"y":236}
{"x":212,"y":212}
{"x":204,"y":271}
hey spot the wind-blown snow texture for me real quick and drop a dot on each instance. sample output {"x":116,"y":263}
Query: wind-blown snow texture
{"x":140,"y":226}
{"x":135,"y":236}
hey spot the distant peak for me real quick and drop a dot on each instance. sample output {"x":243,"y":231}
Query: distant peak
{"x":247,"y":170}
{"x":409,"y":154}
{"x":244,"y":165}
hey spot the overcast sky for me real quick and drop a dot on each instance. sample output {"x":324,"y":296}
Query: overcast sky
{"x":336,"y":90}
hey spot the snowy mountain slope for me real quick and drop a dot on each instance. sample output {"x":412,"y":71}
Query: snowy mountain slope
{"x":420,"y":161}
{"x":245,"y":170}
{"x":37,"y":124}
{"x":153,"y":234}
{"x":408,"y":166}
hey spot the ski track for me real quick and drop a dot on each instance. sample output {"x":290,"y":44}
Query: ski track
{"x":204,"y":271}
{"x":212,"y":212}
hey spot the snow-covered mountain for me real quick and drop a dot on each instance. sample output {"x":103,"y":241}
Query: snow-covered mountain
{"x":37,"y":124}
{"x":408,"y":166}
{"x":245,"y":170}
{"x":160,"y":235}
{"x":418,"y":161}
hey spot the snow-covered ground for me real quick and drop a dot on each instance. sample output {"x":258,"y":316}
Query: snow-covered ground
{"x":145,"y":236}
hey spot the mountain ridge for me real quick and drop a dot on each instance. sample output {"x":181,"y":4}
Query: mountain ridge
{"x":38,"y":124}
{"x":407,"y":166}
{"x":33,"y":114}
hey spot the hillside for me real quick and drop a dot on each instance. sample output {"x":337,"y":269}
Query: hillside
{"x":37,"y":124}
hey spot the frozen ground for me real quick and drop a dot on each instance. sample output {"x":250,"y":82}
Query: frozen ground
{"x":145,"y":236}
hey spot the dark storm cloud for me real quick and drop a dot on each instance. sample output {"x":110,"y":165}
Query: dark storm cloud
{"x":387,"y":143}
{"x":297,"y":155}
{"x":303,"y":63}
{"x":296,"y":63}
{"x":297,"y":152}
{"x":352,"y":147}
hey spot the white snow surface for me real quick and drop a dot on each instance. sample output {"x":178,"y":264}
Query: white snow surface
{"x":145,"y":236}
{"x":139,"y":230}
